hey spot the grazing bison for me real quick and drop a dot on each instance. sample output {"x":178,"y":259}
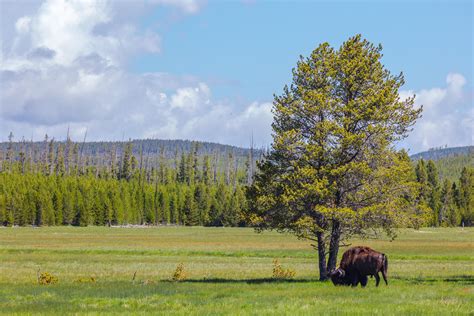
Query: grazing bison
{"x":357,"y":263}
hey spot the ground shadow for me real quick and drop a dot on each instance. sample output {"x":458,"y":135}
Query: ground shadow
{"x":248,"y":281}
{"x":461,"y":279}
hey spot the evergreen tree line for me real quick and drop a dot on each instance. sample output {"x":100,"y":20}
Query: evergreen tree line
{"x":60,"y":188}
{"x":38,"y":199}
{"x":450,"y":203}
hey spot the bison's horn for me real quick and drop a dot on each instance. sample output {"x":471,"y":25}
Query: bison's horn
{"x":342,"y":273}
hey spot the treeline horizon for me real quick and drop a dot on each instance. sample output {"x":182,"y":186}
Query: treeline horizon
{"x":99,"y":152}
{"x":61,"y":183}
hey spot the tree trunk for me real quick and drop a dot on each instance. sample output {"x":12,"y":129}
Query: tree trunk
{"x":323,"y":275}
{"x":334,"y":245}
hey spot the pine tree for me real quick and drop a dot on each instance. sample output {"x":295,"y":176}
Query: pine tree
{"x":422,"y":179}
{"x":232,"y":211}
{"x":206,"y":170}
{"x":189,"y":175}
{"x":190,"y":215}
{"x":126,"y":171}
{"x":182,"y":172}
{"x":202,"y":204}
{"x":165,"y":207}
{"x":51,"y":164}
{"x":57,"y":200}
{"x":60,"y":168}
{"x":466,"y":194}
{"x":174,"y":209}
{"x":196,"y":175}
{"x":21,"y":157}
{"x":332,"y":171}
{"x":218,"y":206}
{"x":434,"y":192}
{"x":249,"y":164}
{"x":74,"y":168}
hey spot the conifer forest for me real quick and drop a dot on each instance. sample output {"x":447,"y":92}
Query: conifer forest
{"x":67,"y":183}
{"x":154,"y":182}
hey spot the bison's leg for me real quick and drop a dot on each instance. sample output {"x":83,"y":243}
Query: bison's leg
{"x":363,"y":280}
{"x":377,"y":279}
{"x":384,"y":277}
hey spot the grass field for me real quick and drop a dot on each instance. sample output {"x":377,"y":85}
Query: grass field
{"x":229,"y":271}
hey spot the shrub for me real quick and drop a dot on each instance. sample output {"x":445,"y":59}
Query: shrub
{"x":179,"y":274}
{"x":45,"y":278}
{"x":280,"y":273}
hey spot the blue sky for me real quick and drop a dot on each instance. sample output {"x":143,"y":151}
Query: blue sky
{"x":208,"y":70}
{"x":254,"y":46}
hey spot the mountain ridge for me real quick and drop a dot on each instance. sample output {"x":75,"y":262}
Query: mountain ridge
{"x":173,"y":146}
{"x":440,"y":153}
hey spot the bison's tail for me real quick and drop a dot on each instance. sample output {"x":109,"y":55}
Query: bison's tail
{"x":385,"y":264}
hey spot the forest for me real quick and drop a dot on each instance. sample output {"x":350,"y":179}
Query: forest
{"x":172,"y":182}
{"x":53,"y":183}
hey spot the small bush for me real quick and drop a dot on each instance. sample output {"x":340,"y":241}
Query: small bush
{"x":45,"y":278}
{"x":179,"y":274}
{"x":280,"y":273}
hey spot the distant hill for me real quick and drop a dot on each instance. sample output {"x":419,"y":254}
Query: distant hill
{"x":449,"y":161}
{"x":149,"y":146}
{"x":100,"y":153}
{"x":439,"y":153}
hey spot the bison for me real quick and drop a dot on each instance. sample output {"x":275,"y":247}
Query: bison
{"x":357,"y":263}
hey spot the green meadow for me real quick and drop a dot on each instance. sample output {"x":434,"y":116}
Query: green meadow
{"x":228,"y":271}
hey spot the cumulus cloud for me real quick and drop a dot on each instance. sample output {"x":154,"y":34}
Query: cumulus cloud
{"x":190,"y":98}
{"x":448,"y":116}
{"x":65,"y":67}
{"x":71,"y":29}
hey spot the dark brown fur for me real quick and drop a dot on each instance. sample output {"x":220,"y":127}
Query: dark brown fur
{"x":358,"y":263}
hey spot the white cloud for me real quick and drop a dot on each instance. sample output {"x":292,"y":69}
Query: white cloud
{"x":222,"y":123}
{"x":22,"y":25}
{"x":65,"y":66}
{"x":71,"y":29}
{"x":448,"y":116}
{"x":190,"y":98}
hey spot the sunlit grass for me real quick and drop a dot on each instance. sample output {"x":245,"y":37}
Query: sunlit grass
{"x":229,"y":270}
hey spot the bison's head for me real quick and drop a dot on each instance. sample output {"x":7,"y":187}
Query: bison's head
{"x":338,"y":276}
